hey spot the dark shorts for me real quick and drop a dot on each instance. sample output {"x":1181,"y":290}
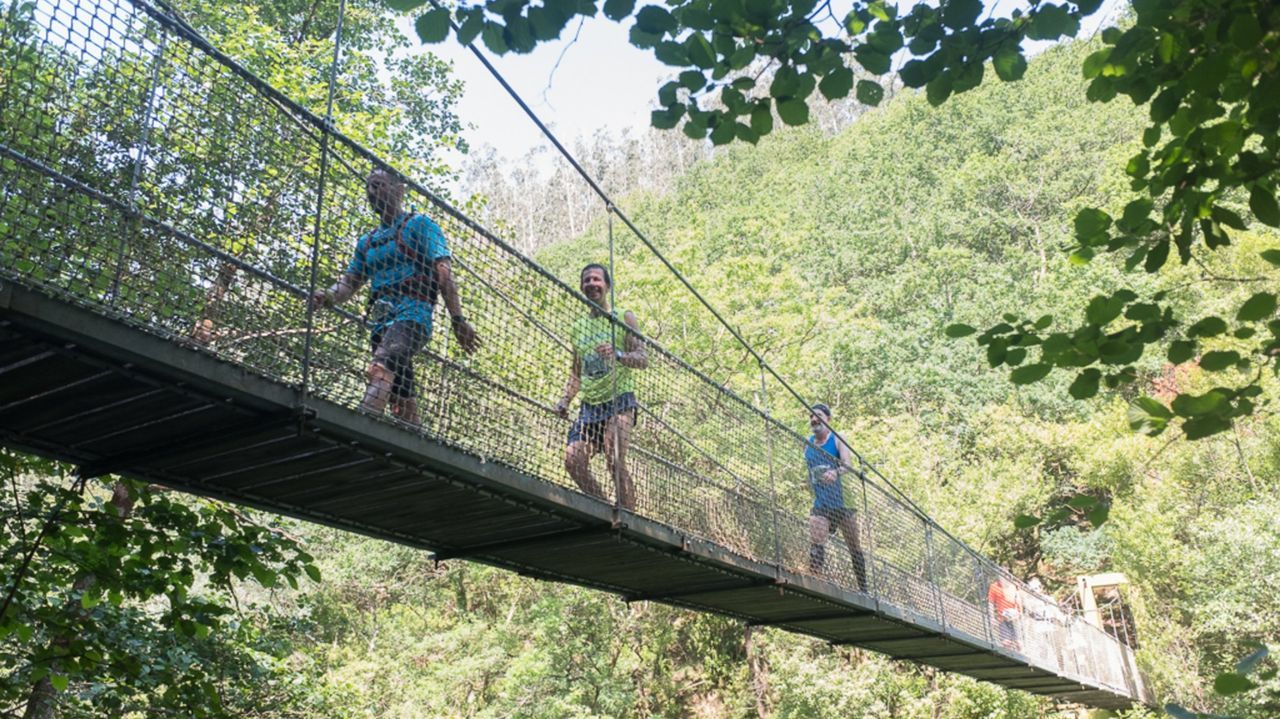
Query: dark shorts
{"x":833,"y":515}
{"x":1007,"y":631}
{"x":592,"y":418}
{"x":394,"y":347}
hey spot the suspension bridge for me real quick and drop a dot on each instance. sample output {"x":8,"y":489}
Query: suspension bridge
{"x":164,"y":216}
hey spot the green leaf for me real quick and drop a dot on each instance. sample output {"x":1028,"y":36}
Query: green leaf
{"x":666,"y":119}
{"x":876,"y":62}
{"x":1148,"y":416}
{"x":493,"y":38}
{"x":432,"y":26}
{"x":1190,"y":405}
{"x":1228,"y":683}
{"x":405,"y":5}
{"x":471,"y":27}
{"x":1030,"y":373}
{"x":1245,"y":31}
{"x":1219,"y":360}
{"x":837,"y":84}
{"x":938,"y":89}
{"x":692,"y":79}
{"x":1082,"y":501}
{"x":1099,"y":515}
{"x":1093,"y":64}
{"x":959,"y":14}
{"x":786,"y":82}
{"x":957,"y":331}
{"x":59,"y":682}
{"x":1025,"y":521}
{"x":1181,"y":350}
{"x":1009,"y":63}
{"x":1049,"y":22}
{"x":1085,"y":384}
{"x":1102,"y":310}
{"x":655,"y":20}
{"x":870,"y":93}
{"x":1223,"y":216}
{"x":1156,"y":256}
{"x":762,"y":118}
{"x":793,"y":111}
{"x":618,"y":9}
{"x":700,"y":52}
{"x":1090,"y":222}
{"x":1207,"y":327}
{"x":723,"y":133}
{"x":1260,"y":306}
{"x":1263,"y":203}
{"x":1272,"y":256}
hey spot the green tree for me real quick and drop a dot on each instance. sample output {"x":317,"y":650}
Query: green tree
{"x":120,"y":596}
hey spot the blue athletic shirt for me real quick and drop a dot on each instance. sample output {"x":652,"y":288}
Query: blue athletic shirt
{"x":378,"y":260}
{"x":820,"y":459}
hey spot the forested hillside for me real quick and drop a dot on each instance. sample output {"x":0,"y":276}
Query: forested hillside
{"x":841,"y":257}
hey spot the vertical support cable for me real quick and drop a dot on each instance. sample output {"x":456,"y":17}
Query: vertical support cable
{"x":773,"y":482}
{"x":611,"y":463}
{"x":144,"y":142}
{"x":308,"y":337}
{"x":869,"y":558}
{"x":931,"y":570}
{"x":984,"y":586}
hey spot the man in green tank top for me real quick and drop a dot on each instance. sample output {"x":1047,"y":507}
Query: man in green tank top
{"x":604,"y":355}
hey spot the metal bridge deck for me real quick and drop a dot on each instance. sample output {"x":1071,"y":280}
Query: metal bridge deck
{"x":94,"y":391}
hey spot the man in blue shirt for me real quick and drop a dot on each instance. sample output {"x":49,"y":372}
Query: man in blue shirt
{"x":406,"y":262}
{"x":827,"y":458}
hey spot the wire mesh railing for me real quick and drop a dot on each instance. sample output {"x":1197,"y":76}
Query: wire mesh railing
{"x":148,"y":176}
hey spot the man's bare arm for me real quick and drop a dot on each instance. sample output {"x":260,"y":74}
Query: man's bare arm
{"x":571,"y":387}
{"x":462,"y":329}
{"x":635,"y":357}
{"x":341,"y":291}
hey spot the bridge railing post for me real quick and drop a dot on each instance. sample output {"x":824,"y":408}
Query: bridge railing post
{"x":869,"y":544}
{"x":773,"y":481}
{"x":931,"y":571}
{"x":984,"y":585}
{"x":313,"y":280}
{"x":134,"y":228}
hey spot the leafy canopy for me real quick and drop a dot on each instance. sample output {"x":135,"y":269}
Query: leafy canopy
{"x":1208,"y":70}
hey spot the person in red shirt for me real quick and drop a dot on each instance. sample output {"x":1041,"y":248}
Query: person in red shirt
{"x":1005,"y":604}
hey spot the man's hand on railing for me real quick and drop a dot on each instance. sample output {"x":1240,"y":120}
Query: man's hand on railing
{"x":465,"y":333}
{"x":318,"y":299}
{"x":561,"y":408}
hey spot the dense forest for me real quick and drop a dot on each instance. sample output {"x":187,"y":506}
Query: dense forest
{"x":841,"y":252}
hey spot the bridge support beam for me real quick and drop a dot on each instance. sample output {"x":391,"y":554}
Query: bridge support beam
{"x":540,"y":540}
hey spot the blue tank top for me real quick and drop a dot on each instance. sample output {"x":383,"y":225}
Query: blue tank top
{"x":820,"y":459}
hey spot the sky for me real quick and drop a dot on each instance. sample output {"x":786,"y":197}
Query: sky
{"x":601,"y":82}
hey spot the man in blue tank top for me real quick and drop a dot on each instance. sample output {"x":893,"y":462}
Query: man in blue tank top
{"x":406,"y":262}
{"x":827,"y":458}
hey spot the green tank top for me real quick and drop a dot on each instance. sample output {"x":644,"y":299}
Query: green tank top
{"x":602,"y":380}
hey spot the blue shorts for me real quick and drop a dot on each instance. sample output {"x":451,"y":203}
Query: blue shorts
{"x":592,"y":418}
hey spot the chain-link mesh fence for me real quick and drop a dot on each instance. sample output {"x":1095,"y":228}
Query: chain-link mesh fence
{"x":150,"y":177}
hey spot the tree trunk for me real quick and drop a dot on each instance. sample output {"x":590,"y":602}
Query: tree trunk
{"x":758,"y":671}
